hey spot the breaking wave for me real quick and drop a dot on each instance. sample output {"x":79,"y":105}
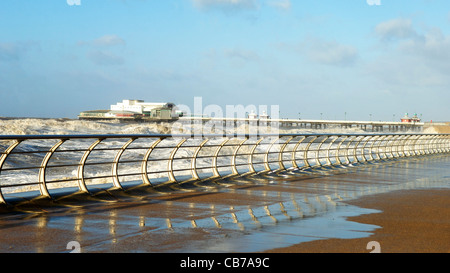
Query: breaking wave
{"x":36,"y":126}
{"x":41,"y":126}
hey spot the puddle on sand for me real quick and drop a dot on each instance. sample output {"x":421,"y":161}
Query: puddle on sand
{"x":326,"y":226}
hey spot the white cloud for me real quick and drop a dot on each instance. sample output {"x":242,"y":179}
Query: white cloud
{"x":241,"y":54}
{"x":109,"y":40}
{"x":415,"y":59}
{"x":395,"y":29}
{"x":104,"y":41}
{"x":329,"y":52}
{"x":102,"y":50}
{"x":281,"y":4}
{"x":13,"y":51}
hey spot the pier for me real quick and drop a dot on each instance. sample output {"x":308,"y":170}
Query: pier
{"x":368,"y":126}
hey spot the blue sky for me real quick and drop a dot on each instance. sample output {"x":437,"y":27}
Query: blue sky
{"x":312,"y":58}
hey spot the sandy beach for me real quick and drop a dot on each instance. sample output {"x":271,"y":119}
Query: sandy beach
{"x":413,"y":221}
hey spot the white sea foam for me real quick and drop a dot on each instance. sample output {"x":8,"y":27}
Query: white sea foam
{"x":36,"y":126}
{"x":32,"y":126}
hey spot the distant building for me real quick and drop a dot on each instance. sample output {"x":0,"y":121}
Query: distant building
{"x":414,"y":119}
{"x":264,"y":115}
{"x":147,"y":109}
{"x":135,"y":110}
{"x":252,"y":115}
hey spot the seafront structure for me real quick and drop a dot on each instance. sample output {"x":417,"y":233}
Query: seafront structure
{"x":369,"y":126}
{"x":134,"y":110}
{"x":138,"y":110}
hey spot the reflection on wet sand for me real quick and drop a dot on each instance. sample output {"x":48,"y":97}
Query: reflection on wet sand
{"x":249,"y":214}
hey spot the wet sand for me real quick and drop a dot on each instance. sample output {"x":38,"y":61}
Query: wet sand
{"x":413,"y":221}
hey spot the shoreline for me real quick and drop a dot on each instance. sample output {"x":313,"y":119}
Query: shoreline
{"x":412,"y":221}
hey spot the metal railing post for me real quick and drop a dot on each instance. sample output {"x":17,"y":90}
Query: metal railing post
{"x":144,"y":171}
{"x":251,"y":167}
{"x":234,"y":169}
{"x":266,"y":156}
{"x":2,"y":161}
{"x":42,"y":181}
{"x":80,"y":173}
{"x":194,"y":160}
{"x":171,"y":158}
{"x":338,"y":159}
{"x":280,"y":154}
{"x":215,"y":168}
{"x":115,"y":165}
{"x":294,"y":151}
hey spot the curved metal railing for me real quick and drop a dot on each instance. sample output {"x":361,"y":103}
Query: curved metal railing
{"x":46,"y":162}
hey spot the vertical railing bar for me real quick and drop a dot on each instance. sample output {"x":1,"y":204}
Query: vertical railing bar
{"x":387,"y":145}
{"x":42,"y":181}
{"x":233,"y":157}
{"x":251,"y":168}
{"x":294,"y":151}
{"x":115,"y":165}
{"x":379,"y":152}
{"x":420,"y":145}
{"x":398,"y":144}
{"x":438,"y":145}
{"x":194,"y":160}
{"x":374,"y":140}
{"x":434,"y":144}
{"x":338,"y":150}
{"x":266,"y":156}
{"x":170,"y":172}
{"x":280,"y":154}
{"x":430,"y":144}
{"x":144,"y":165}
{"x":318,"y":163}
{"x":356,"y":148}
{"x":3,"y":157}
{"x":363,"y":149}
{"x":305,"y":154}
{"x":80,"y":172}
{"x":328,"y":151}
{"x":348,"y":148}
{"x":214,"y":161}
{"x":442,"y":145}
{"x":424,"y":144}
{"x":405,"y":145}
